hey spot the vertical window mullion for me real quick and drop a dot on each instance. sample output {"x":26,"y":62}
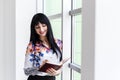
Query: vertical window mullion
{"x":66,"y":37}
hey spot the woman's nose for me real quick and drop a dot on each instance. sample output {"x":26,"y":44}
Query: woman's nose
{"x":41,"y":29}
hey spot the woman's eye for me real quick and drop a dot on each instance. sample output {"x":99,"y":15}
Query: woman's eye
{"x":44,"y":25}
{"x":36,"y":27}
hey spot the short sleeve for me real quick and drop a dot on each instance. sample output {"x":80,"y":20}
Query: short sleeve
{"x":59,"y":43}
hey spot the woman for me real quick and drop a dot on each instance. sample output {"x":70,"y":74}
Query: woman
{"x":42,"y":48}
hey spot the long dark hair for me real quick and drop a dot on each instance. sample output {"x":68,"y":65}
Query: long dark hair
{"x":34,"y":37}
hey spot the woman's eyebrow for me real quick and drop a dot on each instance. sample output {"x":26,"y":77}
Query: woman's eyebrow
{"x":36,"y":26}
{"x":43,"y":24}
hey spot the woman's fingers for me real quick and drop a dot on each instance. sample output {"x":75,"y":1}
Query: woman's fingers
{"x":52,"y":71}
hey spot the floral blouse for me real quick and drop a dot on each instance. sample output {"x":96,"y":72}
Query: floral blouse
{"x":35,"y":55}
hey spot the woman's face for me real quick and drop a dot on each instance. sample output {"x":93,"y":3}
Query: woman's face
{"x":41,"y":29}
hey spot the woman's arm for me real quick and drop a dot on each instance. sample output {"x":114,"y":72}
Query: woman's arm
{"x":29,"y":69}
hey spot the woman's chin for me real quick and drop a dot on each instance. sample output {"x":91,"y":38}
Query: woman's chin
{"x":42,"y":35}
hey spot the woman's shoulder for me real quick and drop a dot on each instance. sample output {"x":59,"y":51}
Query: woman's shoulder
{"x":29,"y":48}
{"x":29,"y":45}
{"x":58,"y":42}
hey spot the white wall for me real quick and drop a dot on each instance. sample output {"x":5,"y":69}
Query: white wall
{"x":7,"y":39}
{"x":107,"y":40}
{"x":25,"y":9}
{"x":15,"y":18}
{"x":101,"y":40}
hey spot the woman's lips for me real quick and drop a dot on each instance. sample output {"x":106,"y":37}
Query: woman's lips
{"x":41,"y":32}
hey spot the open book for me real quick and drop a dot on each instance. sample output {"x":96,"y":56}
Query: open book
{"x":54,"y":66}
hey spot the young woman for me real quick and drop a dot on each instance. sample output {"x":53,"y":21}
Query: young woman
{"x":43,"y":47}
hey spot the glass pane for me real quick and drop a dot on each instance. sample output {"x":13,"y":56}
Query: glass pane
{"x":77,"y":4}
{"x":76,"y":75}
{"x":56,"y":27}
{"x":77,"y":39}
{"x":58,"y":77}
{"x":52,"y":7}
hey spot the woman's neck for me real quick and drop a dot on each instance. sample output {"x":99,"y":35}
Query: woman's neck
{"x":45,"y":42}
{"x":43,"y":39}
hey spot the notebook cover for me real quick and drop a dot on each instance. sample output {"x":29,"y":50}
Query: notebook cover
{"x":49,"y":65}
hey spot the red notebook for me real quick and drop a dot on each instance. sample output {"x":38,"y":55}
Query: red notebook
{"x":54,"y":66}
{"x":49,"y":65}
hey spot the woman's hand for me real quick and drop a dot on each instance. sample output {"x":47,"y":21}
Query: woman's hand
{"x":53,"y":72}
